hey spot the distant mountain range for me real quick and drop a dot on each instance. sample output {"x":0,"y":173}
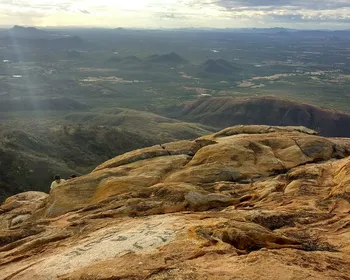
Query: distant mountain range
{"x":277,"y":31}
{"x":29,"y":33}
{"x":36,"y":33}
{"x":32,"y":37}
{"x":209,"y":67}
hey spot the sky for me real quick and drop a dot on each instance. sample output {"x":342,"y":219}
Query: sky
{"x":300,"y":14}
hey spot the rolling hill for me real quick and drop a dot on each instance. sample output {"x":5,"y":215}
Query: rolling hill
{"x":40,"y":104}
{"x":219,"y":67}
{"x":169,"y":59}
{"x":227,"y":111}
{"x":32,"y":155}
{"x":125,"y":62}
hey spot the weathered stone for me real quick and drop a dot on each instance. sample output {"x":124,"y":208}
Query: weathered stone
{"x":134,"y":156}
{"x":202,"y":202}
{"x":243,"y":201}
{"x":248,"y":237}
{"x":18,"y":208}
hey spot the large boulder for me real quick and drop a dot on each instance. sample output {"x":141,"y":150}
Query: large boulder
{"x":18,"y":208}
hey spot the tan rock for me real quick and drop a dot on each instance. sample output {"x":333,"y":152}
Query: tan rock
{"x":134,"y":156}
{"x":293,"y":187}
{"x":19,"y":208}
{"x":253,"y":202}
{"x":202,"y":202}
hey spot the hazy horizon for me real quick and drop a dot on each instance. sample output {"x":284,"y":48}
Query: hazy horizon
{"x":170,"y":28}
{"x":297,"y":14}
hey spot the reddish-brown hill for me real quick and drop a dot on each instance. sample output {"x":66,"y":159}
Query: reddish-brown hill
{"x":227,"y":111}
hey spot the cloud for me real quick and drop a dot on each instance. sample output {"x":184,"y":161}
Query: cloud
{"x":289,"y":11}
{"x":278,"y":4}
{"x":85,"y":12}
{"x":207,"y":13}
{"x":171,"y":16}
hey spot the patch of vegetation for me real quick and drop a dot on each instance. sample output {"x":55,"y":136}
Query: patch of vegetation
{"x":30,"y":157}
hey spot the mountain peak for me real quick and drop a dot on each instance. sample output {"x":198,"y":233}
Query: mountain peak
{"x":18,"y":28}
{"x":23,"y":27}
{"x":169,"y":58}
{"x":27,"y":32}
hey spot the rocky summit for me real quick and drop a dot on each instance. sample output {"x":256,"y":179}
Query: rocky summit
{"x":246,"y":203}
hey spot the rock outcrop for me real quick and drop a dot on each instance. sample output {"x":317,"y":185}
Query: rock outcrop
{"x":248,"y":202}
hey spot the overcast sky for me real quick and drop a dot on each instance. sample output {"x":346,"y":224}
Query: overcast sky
{"x":177,"y":13}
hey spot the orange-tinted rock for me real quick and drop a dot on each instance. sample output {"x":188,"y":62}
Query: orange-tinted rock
{"x":253,"y":202}
{"x":18,"y":208}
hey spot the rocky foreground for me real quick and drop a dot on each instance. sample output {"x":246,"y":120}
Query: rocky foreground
{"x":249,"y":202}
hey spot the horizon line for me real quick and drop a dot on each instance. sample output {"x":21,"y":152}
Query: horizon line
{"x":170,"y":28}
